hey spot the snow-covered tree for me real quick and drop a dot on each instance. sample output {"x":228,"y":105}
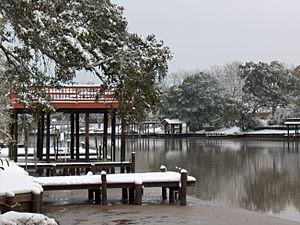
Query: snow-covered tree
{"x":46,"y":42}
{"x":267,"y":86}
{"x":229,"y":76}
{"x":199,"y":101}
{"x":4,"y":112}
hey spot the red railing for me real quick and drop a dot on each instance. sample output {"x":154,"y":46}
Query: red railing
{"x":80,"y":93}
{"x":76,"y":97}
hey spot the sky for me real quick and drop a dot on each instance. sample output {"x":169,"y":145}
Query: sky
{"x":203,"y":33}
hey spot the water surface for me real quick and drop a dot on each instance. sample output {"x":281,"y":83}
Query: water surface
{"x":255,"y":175}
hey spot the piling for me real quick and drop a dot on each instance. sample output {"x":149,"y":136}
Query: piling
{"x":104,"y":188}
{"x":163,"y":189}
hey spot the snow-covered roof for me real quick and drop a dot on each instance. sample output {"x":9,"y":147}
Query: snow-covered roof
{"x":171,"y":121}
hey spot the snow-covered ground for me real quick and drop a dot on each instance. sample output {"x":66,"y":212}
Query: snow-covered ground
{"x":16,"y":218}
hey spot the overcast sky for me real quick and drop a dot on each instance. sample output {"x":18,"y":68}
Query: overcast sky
{"x":203,"y":33}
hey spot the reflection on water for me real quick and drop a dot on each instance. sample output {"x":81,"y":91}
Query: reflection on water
{"x":255,"y":175}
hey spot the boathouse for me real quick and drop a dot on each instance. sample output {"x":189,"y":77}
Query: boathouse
{"x":173,"y":126}
{"x":75,"y":101}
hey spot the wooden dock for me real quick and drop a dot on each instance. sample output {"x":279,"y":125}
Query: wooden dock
{"x":135,"y":182}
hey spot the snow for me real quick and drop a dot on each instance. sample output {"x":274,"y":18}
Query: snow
{"x":113,"y":178}
{"x":227,"y":131}
{"x":16,"y":218}
{"x":15,"y":180}
{"x":269,"y":131}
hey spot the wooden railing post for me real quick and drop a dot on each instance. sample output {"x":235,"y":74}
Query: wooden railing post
{"x":133,"y":162}
{"x":163,"y":169}
{"x":36,"y":202}
{"x":138,"y":192}
{"x":104,"y":188}
{"x":183,"y":182}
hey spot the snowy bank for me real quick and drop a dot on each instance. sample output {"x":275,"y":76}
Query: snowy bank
{"x":15,"y":218}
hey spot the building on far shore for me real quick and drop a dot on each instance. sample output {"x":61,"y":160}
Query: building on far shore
{"x":174,"y":126}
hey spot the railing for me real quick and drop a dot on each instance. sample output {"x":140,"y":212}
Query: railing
{"x":80,"y":93}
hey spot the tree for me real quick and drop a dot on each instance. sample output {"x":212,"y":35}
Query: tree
{"x":267,"y":86}
{"x":46,"y":42}
{"x":199,"y":101}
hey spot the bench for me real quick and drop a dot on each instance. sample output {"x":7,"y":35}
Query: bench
{"x":135,"y":182}
{"x":70,"y":167}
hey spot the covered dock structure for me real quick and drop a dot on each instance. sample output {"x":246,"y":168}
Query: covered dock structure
{"x":292,"y":124}
{"x":75,"y":101}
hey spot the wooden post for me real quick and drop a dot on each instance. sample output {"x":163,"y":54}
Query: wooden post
{"x":183,"y":182}
{"x":77,"y":135}
{"x":14,"y":152}
{"x":171,"y":195}
{"x":36,"y":202}
{"x":113,"y":136}
{"x":138,"y":192}
{"x":132,"y":162}
{"x":10,"y":199}
{"x":122,"y":157}
{"x":48,"y":138}
{"x":42,"y":135}
{"x":72,"y":136}
{"x":163,"y":169}
{"x":97,"y":196}
{"x":87,"y":142}
{"x":93,"y":168}
{"x":104,"y":188}
{"x":38,"y":139}
{"x":131,"y":195}
{"x":91,"y":194}
{"x":105,"y":127}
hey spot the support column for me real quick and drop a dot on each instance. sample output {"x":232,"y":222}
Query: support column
{"x":77,"y":135}
{"x":113,"y":137}
{"x":14,"y":134}
{"x":87,"y":128}
{"x":122,"y":156}
{"x":40,"y":136}
{"x":38,"y":139}
{"x":48,"y":137}
{"x":72,"y":136}
{"x":105,"y":126}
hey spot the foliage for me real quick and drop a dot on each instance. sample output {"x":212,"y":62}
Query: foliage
{"x":198,"y":101}
{"x":46,"y":42}
{"x":233,"y":94}
{"x":267,"y":85}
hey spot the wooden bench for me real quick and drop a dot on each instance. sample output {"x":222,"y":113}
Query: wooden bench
{"x":76,"y":167}
{"x":135,"y":182}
